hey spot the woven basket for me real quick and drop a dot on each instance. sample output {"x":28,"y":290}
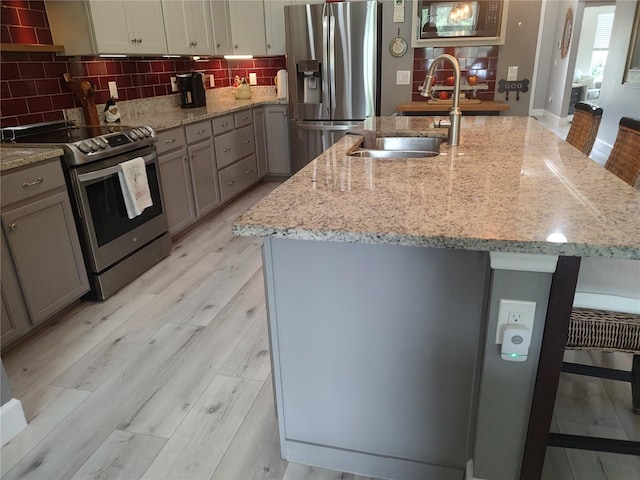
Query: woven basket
{"x":624,"y":160}
{"x":604,"y":330}
{"x":584,"y":129}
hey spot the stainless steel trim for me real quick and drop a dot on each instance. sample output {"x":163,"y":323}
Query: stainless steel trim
{"x":332,"y":62}
{"x":87,"y":177}
{"x":308,"y":126}
{"x":326,"y":85}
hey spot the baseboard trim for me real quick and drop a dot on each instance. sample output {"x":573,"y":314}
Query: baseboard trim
{"x":603,"y":147}
{"x":12,"y":420}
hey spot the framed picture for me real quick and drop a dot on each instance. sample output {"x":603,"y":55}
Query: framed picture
{"x":632,"y":69}
{"x":566,"y":33}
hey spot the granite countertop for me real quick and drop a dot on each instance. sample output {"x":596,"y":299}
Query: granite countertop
{"x":511,"y":185}
{"x":14,"y":157}
{"x":145,"y":113}
{"x":175,"y":117}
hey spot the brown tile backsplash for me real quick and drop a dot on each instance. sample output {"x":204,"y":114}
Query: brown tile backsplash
{"x":481,"y":60}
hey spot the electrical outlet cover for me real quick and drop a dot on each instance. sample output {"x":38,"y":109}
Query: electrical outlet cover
{"x":514,"y":312}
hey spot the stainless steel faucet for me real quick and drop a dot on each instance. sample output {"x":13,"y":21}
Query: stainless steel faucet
{"x":455,"y":115}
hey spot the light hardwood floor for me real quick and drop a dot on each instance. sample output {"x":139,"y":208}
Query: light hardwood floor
{"x":170,"y":378}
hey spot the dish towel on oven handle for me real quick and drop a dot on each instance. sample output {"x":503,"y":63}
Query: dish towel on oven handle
{"x":135,"y":186}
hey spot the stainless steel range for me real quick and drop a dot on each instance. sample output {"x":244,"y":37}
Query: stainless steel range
{"x":116,"y":249}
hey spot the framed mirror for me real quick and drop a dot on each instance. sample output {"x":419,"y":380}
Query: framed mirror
{"x":632,"y":69}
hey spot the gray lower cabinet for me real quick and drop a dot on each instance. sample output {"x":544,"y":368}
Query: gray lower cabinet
{"x":260,"y":133}
{"x":175,"y":175}
{"x":235,"y":152}
{"x":40,"y":246}
{"x":188,"y":173}
{"x":203,"y":167}
{"x":276,"y":120}
{"x":15,"y":318}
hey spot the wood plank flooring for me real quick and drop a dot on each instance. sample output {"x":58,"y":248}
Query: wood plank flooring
{"x":170,"y":378}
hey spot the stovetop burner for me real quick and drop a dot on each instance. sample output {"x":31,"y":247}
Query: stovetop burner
{"x":81,"y":143}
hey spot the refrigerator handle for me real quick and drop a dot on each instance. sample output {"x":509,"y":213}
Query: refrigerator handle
{"x":326,"y":11}
{"x":332,"y":61}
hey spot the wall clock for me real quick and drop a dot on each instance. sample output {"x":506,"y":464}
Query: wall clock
{"x":398,"y":47}
{"x":566,"y":33}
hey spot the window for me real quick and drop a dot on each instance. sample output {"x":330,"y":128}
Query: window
{"x":604,"y":26}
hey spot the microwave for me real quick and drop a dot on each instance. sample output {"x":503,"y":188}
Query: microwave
{"x":478,"y":20}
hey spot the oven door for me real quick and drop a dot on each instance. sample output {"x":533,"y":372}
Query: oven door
{"x":108,"y":232}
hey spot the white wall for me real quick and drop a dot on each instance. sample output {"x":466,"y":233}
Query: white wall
{"x":587,"y":37}
{"x":617,"y":99}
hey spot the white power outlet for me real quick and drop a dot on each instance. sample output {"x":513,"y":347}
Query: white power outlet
{"x":174,"y":84}
{"x":514,"y":312}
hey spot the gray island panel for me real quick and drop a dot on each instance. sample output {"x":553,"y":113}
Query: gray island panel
{"x":376,"y":352}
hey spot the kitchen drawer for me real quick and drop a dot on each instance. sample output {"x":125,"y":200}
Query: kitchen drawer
{"x":198,"y":131}
{"x":170,"y":140}
{"x":29,"y":182}
{"x":233,"y":146}
{"x":237,"y":177}
{"x":243,"y":118}
{"x":222,"y":124}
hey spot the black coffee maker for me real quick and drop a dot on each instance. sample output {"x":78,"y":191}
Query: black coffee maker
{"x":192,"y":88}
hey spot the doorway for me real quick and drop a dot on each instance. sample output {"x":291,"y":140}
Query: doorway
{"x":592,"y":52}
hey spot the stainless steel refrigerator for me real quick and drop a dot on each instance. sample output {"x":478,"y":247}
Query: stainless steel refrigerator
{"x":333,"y":67}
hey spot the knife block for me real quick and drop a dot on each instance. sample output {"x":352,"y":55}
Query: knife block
{"x":90,"y":115}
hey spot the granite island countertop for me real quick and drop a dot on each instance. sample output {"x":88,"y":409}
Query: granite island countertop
{"x":511,"y":185}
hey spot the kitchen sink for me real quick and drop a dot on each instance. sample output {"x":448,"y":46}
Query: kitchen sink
{"x":375,"y":153}
{"x":430,"y":144}
{"x":401,"y":147}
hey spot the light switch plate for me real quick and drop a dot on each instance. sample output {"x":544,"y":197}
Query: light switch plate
{"x":113,"y":89}
{"x":403,"y":77}
{"x":512,"y":73}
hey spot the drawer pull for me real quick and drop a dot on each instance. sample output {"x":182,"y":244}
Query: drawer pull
{"x":249,"y":172}
{"x":244,"y":142}
{"x":231,"y":182}
{"x":245,"y":118}
{"x":31,"y":184}
{"x":13,"y":226}
{"x":227,"y":150}
{"x":198,"y":132}
{"x":171,"y":140}
{"x":225,"y":124}
{"x":193,"y":155}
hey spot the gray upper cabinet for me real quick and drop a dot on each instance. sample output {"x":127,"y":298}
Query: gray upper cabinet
{"x":274,"y":26}
{"x":134,"y":27}
{"x":247,"y":27}
{"x":41,"y":237}
{"x":221,"y":27}
{"x":188,"y":27}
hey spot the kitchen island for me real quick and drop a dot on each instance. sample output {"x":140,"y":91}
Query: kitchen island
{"x":383,"y":281}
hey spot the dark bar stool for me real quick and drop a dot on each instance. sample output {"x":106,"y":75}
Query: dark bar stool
{"x":624,"y":160}
{"x":584,"y":127}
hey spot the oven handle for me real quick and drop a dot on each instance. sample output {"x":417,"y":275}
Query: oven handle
{"x":105,"y":172}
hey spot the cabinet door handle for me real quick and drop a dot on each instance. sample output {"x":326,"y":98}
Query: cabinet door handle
{"x":244,"y":142}
{"x":193,"y":155}
{"x":231,"y":182}
{"x":235,"y":46}
{"x":268,"y":45}
{"x":31,"y":184}
{"x":217,"y":45}
{"x":13,"y":226}
{"x":284,"y":114}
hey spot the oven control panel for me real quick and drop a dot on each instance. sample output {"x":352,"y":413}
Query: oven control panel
{"x":110,"y":144}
